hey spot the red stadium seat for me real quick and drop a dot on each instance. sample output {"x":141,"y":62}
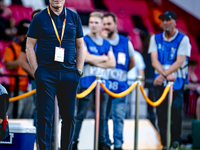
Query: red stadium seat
{"x":20,"y":12}
{"x":128,"y":6}
{"x":195,"y":48}
{"x":3,"y":45}
{"x":80,"y":5}
{"x":180,"y":24}
{"x":135,"y":39}
{"x":124,"y":23}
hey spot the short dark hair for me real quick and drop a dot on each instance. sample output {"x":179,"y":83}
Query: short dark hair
{"x":111,"y":15}
{"x":22,"y":27}
{"x":35,"y":12}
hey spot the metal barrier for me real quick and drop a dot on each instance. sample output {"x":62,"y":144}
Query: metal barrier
{"x":97,"y":83}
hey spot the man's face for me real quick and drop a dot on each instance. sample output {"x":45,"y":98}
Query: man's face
{"x":95,"y":24}
{"x":109,"y":25}
{"x":56,"y":3}
{"x":168,"y":24}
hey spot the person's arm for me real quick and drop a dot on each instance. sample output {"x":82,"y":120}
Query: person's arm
{"x":30,"y":52}
{"x":23,"y":63}
{"x":94,"y":59}
{"x":11,"y":65}
{"x":131,"y":63}
{"x":80,"y":53}
{"x":156,"y":64}
{"x":110,"y":63}
{"x":176,"y":65}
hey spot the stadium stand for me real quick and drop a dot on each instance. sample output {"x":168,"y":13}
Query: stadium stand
{"x":20,"y":12}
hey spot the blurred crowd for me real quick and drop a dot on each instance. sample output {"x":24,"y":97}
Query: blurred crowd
{"x":18,"y":79}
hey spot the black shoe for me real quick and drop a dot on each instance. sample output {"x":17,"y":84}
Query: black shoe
{"x":117,"y":148}
{"x":74,"y":145}
{"x":104,"y":146}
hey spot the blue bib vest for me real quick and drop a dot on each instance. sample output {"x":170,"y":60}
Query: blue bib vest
{"x":167,"y":53}
{"x":89,"y":71}
{"x":118,"y":76}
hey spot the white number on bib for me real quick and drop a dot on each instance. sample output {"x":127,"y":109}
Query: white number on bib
{"x":113,"y":85}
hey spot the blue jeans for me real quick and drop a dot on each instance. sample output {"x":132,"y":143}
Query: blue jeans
{"x":117,"y":110}
{"x":49,"y":84}
{"x":83,"y":106}
{"x":176,"y":115}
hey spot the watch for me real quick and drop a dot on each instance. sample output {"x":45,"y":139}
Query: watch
{"x":81,"y":73}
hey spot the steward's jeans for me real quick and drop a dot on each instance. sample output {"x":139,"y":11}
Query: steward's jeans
{"x":117,"y":108}
{"x":83,"y":105}
{"x":176,"y":114}
{"x":49,"y":84}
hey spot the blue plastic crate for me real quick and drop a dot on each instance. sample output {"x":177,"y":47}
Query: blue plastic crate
{"x":22,"y":137}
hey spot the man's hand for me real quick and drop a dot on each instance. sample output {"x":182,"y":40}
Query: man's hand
{"x":159,"y":80}
{"x":105,"y":57}
{"x":171,"y":78}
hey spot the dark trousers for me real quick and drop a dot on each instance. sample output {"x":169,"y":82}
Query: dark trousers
{"x":63,"y":85}
{"x":176,"y":115}
{"x":4,"y":103}
{"x":151,"y":114}
{"x":83,"y":106}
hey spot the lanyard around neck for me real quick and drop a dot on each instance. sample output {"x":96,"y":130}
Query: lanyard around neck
{"x":55,"y":29}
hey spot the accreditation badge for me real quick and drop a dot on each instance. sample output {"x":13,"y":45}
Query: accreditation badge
{"x":121,"y":59}
{"x":59,"y":54}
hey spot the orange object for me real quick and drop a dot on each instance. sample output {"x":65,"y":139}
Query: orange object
{"x":160,"y":100}
{"x":22,"y":96}
{"x":10,"y":56}
{"x":118,"y":95}
{"x":86,"y":92}
{"x":156,"y":13}
{"x":81,"y":95}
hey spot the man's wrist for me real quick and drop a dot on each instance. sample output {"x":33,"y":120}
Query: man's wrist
{"x":163,"y":75}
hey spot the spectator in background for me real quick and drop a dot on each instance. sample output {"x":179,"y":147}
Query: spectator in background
{"x":23,"y":61}
{"x":99,"y":55}
{"x":193,"y":92}
{"x":137,"y":70}
{"x":169,"y":51}
{"x":7,"y":22}
{"x":124,"y":55}
{"x":11,"y":55}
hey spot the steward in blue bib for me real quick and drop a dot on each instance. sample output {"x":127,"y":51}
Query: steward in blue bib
{"x":167,"y":53}
{"x":89,"y":71}
{"x":118,"y":76}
